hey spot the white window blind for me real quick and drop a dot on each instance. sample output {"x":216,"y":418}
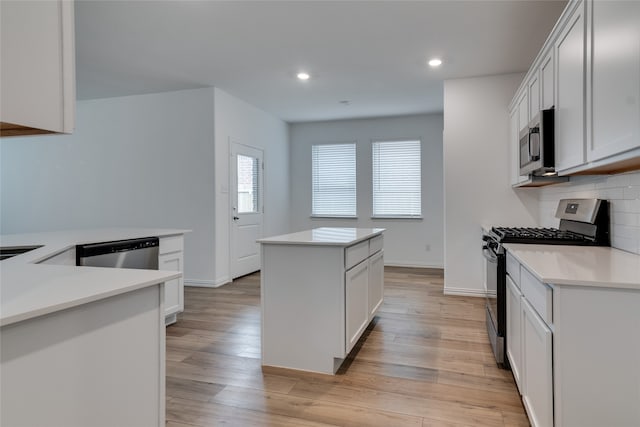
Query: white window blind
{"x":334,"y":179}
{"x":396,"y":179}
{"x":247,"y":179}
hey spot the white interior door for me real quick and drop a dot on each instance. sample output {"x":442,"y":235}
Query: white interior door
{"x":246,"y":208}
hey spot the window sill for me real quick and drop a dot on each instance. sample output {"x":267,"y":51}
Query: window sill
{"x":420,"y":218}
{"x":332,"y":217}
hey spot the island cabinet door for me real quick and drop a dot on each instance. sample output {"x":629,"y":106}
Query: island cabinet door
{"x":356,"y":302}
{"x":376,"y":282}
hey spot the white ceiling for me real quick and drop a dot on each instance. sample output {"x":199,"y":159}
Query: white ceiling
{"x":371,"y":53}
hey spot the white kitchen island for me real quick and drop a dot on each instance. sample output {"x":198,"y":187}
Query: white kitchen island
{"x":320,"y":289}
{"x":81,"y":346}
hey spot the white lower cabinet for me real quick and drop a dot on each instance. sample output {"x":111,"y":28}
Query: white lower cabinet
{"x":364,"y":288}
{"x":356,"y":288}
{"x":514,"y":336}
{"x":530,"y":341}
{"x":376,"y":282}
{"x":537,"y":371}
{"x":171,"y":258}
{"x":574,"y":350}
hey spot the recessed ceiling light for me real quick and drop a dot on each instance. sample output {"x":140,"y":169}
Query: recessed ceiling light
{"x":303,"y":76}
{"x":435,"y":62}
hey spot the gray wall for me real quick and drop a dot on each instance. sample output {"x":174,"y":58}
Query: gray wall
{"x":245,"y":124}
{"x":144,"y":161}
{"x":476,"y":175}
{"x":136,"y":161}
{"x":406,"y":240}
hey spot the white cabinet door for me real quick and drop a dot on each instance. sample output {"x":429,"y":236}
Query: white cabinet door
{"x":356,"y":304}
{"x":514,"y":147}
{"x":514,"y":335}
{"x":523,"y":111}
{"x":171,"y":259}
{"x":537,"y":371}
{"x":615,"y":99}
{"x":173,"y":289}
{"x":514,"y":155}
{"x":38,"y":67}
{"x":569,"y":119}
{"x":547,"y":90}
{"x":376,"y":282}
{"x":534,"y":96}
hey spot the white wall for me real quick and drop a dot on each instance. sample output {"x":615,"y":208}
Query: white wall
{"x":405,"y":240}
{"x":623,"y":193}
{"x":136,"y":161}
{"x":246,"y":124}
{"x":476,"y":175}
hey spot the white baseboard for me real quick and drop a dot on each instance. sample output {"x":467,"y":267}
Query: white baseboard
{"x":467,"y":292}
{"x":206,"y":283}
{"x":390,"y":263}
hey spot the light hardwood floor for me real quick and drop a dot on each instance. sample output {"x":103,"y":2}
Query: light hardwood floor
{"x":424,"y":361}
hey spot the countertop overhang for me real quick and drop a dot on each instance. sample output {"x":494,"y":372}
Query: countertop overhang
{"x":594,"y":266}
{"x":325,"y":236}
{"x":29,"y":289}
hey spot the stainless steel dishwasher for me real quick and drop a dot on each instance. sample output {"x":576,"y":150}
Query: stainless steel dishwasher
{"x":134,"y":253}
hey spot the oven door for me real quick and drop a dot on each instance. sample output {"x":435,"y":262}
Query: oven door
{"x":491,"y":261}
{"x":495,"y":269}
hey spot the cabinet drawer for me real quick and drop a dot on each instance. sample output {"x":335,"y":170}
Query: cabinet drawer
{"x":375,"y":245}
{"x":538,"y":294}
{"x":513,"y":269}
{"x":171,"y":244}
{"x":356,"y":253}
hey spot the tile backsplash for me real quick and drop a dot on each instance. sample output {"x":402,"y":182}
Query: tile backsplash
{"x":623,"y":193}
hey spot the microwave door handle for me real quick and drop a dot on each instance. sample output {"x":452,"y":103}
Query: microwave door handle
{"x":534,"y":156}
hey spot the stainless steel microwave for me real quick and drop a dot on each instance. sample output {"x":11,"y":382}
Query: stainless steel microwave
{"x":537,"y":145}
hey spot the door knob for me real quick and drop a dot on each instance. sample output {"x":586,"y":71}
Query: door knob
{"x":235,"y":218}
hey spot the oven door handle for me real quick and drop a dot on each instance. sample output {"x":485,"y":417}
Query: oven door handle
{"x":489,"y":255}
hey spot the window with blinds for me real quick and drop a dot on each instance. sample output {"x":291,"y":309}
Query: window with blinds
{"x":334,"y":180}
{"x":247,"y":179}
{"x":396,"y":179}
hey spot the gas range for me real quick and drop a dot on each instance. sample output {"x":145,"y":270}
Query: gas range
{"x":540,"y":236}
{"x":583,"y":222}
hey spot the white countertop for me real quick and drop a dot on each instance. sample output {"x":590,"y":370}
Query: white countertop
{"x":28,"y":289}
{"x":579,"y":265}
{"x":328,"y":236}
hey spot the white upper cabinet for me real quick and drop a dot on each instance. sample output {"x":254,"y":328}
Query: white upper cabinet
{"x":615,"y":78}
{"x":514,"y":145}
{"x":523,"y":111}
{"x":589,"y":71}
{"x":569,"y":117}
{"x":534,"y":96}
{"x":547,"y":90}
{"x":37,"y":67}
